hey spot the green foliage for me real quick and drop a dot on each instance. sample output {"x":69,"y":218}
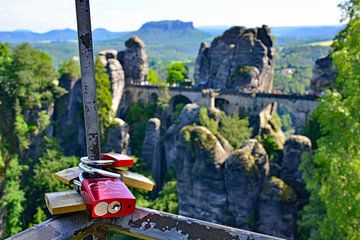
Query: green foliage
{"x":153,"y":77}
{"x":175,"y":115}
{"x":13,"y":198}
{"x":30,"y":77}
{"x":312,"y":131}
{"x":272,"y":148}
{"x":177,"y":73}
{"x":103,"y":97}
{"x":301,"y":60}
{"x":39,"y":216}
{"x":50,"y":161}
{"x":332,"y":175}
{"x":137,"y":117}
{"x":232,"y":128}
{"x":167,"y":199}
{"x":243,"y":71}
{"x":5,"y":57}
{"x":22,"y":130}
{"x":71,"y":68}
{"x":235,"y":130}
{"x":207,"y":122}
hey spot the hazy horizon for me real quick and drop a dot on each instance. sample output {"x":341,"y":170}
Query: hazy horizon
{"x":117,"y":16}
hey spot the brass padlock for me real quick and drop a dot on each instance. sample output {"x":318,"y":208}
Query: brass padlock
{"x":68,"y":175}
{"x":64,"y":202}
{"x":136,"y":180}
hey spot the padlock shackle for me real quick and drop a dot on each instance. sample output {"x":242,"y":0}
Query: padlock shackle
{"x":92,"y":170}
{"x":96,"y":162}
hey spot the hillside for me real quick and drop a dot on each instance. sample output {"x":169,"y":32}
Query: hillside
{"x":165,"y":40}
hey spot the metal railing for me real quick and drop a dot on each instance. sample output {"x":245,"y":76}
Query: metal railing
{"x":144,"y":224}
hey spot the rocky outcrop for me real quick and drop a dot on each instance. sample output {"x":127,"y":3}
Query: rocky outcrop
{"x":294,"y":148}
{"x":277,"y":210}
{"x":324,"y":74}
{"x":189,"y":115}
{"x":68,"y":115}
{"x":116,"y":74}
{"x":241,"y":58}
{"x":200,"y":177}
{"x":152,"y":151}
{"x":117,"y":137}
{"x":245,"y":172}
{"x":270,"y":125}
{"x":134,"y":60}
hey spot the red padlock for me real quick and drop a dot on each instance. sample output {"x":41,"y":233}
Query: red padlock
{"x":120,"y":160}
{"x":110,"y":160}
{"x":107,"y":197}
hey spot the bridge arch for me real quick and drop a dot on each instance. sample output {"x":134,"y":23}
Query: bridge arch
{"x":177,"y":100}
{"x":153,"y":97}
{"x":222,"y":104}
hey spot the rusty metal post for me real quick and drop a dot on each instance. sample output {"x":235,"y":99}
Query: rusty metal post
{"x":88,"y":78}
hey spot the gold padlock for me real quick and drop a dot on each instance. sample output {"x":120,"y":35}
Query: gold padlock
{"x":64,"y":202}
{"x":136,"y":180}
{"x":68,"y":175}
{"x":131,"y":179}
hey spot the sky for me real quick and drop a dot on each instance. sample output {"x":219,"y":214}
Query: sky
{"x":126,"y":15}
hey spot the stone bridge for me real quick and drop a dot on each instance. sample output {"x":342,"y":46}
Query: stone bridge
{"x":230,"y":101}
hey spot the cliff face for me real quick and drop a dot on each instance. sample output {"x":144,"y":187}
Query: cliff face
{"x":128,"y":65}
{"x":229,"y":186}
{"x":134,"y":60}
{"x":241,"y":58}
{"x":324,"y":74}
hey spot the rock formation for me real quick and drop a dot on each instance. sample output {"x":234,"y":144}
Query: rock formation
{"x":166,"y":25}
{"x":117,"y":137}
{"x":324,"y":74}
{"x":188,"y":116}
{"x":241,"y":58}
{"x":69,"y":119}
{"x":134,"y":60}
{"x":200,"y":176}
{"x":294,"y":148}
{"x":245,"y":172}
{"x":277,"y":210}
{"x":116,"y":74}
{"x":152,"y":151}
{"x":270,"y":125}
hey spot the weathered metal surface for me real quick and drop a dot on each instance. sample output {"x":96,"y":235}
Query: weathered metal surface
{"x":88,"y":78}
{"x":144,"y":223}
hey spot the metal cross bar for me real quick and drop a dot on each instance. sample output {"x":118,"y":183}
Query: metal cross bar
{"x":144,"y":224}
{"x":88,"y":79}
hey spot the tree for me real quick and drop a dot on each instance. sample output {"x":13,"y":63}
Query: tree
{"x":103,"y":97}
{"x":13,"y":198}
{"x":177,"y":73}
{"x":332,"y":175}
{"x":153,"y":77}
{"x":70,"y":68}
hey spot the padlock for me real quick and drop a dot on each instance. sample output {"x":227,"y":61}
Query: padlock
{"x":68,"y":175}
{"x":64,"y":202}
{"x":107,"y":197}
{"x":131,"y":179}
{"x":136,"y":180}
{"x":120,"y":160}
{"x":110,"y":160}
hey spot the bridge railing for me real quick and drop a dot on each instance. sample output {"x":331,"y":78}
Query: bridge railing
{"x":307,"y":97}
{"x":144,"y":224}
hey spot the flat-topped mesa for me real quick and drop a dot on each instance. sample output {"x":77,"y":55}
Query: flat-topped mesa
{"x":167,"y":25}
{"x":241,"y":58}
